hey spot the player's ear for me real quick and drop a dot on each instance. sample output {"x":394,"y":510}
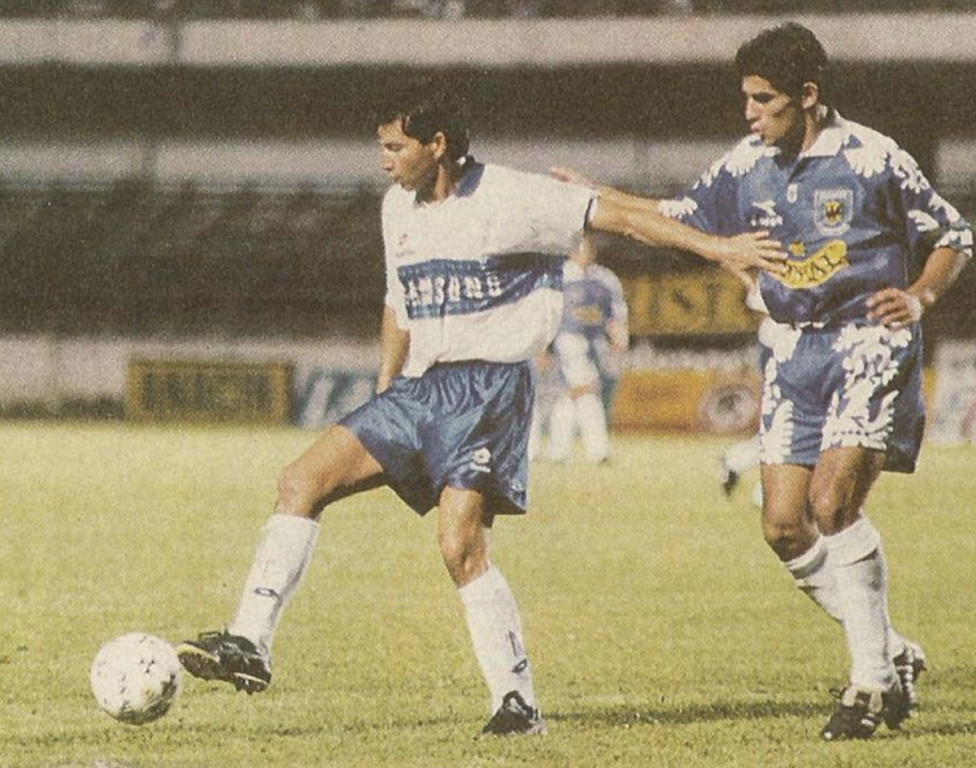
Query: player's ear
{"x":811,"y":95}
{"x":438,"y":145}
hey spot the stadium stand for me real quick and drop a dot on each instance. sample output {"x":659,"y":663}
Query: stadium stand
{"x":136,"y":258}
{"x":314,"y":10}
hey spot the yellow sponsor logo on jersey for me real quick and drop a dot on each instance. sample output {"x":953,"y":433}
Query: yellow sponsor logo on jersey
{"x":588,"y":314}
{"x":816,"y":269}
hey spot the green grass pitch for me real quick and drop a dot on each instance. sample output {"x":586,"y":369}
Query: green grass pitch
{"x":661,"y":630}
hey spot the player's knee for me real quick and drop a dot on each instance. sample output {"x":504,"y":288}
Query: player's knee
{"x":830,"y":506}
{"x":298,"y":491}
{"x":787,"y":538}
{"x":465,"y":559}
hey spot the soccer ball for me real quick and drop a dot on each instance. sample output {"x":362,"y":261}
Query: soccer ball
{"x":136,"y":678}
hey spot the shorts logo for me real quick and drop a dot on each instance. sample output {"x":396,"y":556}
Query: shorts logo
{"x":817,"y":269}
{"x":833,"y":210}
{"x":480,"y":460}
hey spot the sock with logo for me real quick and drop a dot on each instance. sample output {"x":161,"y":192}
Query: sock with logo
{"x":280,"y":561}
{"x":496,"y":633}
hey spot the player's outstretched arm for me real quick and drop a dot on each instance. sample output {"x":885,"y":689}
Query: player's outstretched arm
{"x":896,"y":307}
{"x":572,"y":176}
{"x":637,"y":218}
{"x":394,"y":345}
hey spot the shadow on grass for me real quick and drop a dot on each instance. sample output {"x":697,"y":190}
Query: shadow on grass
{"x":629,"y":716}
{"x":919,"y":730}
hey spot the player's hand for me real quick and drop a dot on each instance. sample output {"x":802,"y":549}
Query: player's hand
{"x":895,"y":308}
{"x":572,"y":176}
{"x":752,"y":250}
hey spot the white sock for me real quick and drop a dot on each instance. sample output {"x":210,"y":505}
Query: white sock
{"x":743,"y":456}
{"x":813,"y":572}
{"x":593,"y":427}
{"x":562,"y":426}
{"x":814,"y":576}
{"x":496,"y":632}
{"x":280,"y":561}
{"x":535,"y":433}
{"x":859,"y":569}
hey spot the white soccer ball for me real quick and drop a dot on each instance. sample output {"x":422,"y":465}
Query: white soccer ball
{"x":136,"y":678}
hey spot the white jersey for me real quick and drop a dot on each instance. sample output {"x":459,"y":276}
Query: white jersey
{"x":478,"y":276}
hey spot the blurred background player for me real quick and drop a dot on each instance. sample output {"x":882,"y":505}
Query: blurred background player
{"x":587,"y":354}
{"x":746,"y":454}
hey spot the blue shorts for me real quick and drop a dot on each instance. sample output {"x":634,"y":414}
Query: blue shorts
{"x":460,"y":425}
{"x":850,"y":385}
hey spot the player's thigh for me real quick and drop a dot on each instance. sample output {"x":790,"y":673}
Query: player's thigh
{"x":335,"y":462}
{"x":840,"y":485}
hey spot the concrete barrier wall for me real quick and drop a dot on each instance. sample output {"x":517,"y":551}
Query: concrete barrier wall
{"x":52,"y":371}
{"x":871,"y":37}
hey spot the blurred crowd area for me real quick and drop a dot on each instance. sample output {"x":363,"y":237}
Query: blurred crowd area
{"x":136,"y":258}
{"x":315,"y":10}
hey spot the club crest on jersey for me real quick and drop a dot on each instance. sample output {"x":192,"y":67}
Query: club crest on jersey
{"x":833,"y":210}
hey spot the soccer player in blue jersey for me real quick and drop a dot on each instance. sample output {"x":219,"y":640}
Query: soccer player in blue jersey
{"x":474,"y":257}
{"x":588,"y":347}
{"x":872,"y":246}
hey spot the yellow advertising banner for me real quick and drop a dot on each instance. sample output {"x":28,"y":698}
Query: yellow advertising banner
{"x":206,"y":391}
{"x":709,"y":302}
{"x":687,"y":400}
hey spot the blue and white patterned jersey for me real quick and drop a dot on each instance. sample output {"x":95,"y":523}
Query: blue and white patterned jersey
{"x":478,"y":276}
{"x":593,"y":298}
{"x":854,"y":212}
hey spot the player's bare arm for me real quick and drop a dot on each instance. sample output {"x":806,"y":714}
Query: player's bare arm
{"x":637,"y":218}
{"x":896,"y":307}
{"x":394,"y":345}
{"x":573,"y":176}
{"x":748,"y":251}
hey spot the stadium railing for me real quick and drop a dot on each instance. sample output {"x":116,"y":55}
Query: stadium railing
{"x":314,"y":10}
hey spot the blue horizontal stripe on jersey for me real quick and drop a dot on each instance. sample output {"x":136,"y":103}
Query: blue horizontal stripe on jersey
{"x":443,"y":287}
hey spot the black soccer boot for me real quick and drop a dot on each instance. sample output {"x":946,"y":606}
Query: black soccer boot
{"x":910,"y":664}
{"x":859,"y":713}
{"x":514,"y":718}
{"x":226,"y":657}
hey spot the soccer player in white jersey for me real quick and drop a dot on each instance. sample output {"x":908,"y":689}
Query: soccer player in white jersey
{"x":474,"y":259}
{"x":592,"y":338}
{"x":842,"y":397}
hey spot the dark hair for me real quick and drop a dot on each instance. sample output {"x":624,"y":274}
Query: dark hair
{"x":787,"y":56}
{"x":426,"y":110}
